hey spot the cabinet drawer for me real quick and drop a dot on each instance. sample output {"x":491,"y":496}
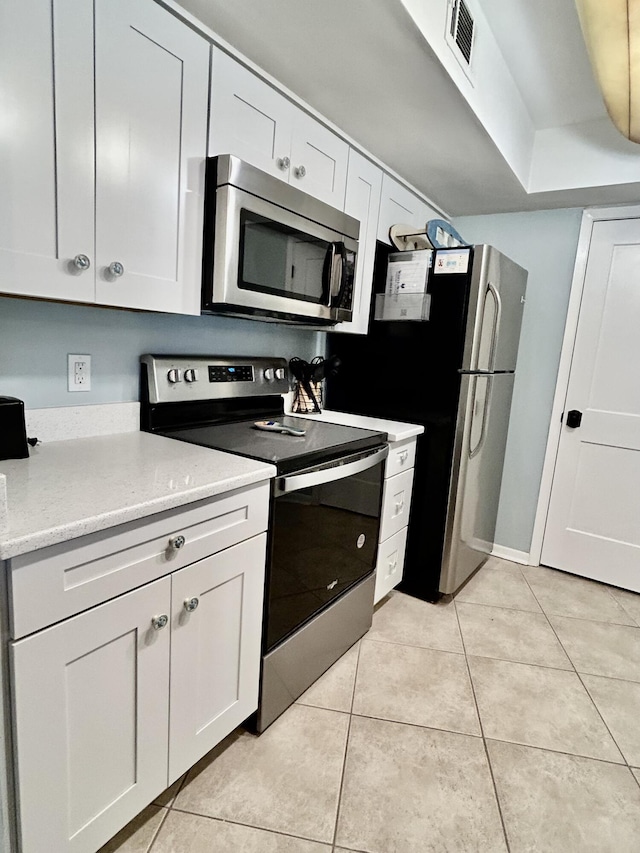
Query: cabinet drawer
{"x":402,"y":456}
{"x":53,"y":583}
{"x":390,"y":563}
{"x":396,"y":501}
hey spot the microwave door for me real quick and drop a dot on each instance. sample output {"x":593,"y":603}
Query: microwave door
{"x":268,"y":260}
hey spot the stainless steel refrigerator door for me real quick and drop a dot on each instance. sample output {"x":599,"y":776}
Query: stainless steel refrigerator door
{"x":496,"y":304}
{"x":474,"y":492}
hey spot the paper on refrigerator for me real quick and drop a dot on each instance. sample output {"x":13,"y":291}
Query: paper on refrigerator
{"x":407,"y":272}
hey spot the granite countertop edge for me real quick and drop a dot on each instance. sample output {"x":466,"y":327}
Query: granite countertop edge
{"x":18,"y":537}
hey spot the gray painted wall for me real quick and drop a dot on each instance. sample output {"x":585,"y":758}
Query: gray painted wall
{"x":35,"y":338}
{"x":544,"y":242}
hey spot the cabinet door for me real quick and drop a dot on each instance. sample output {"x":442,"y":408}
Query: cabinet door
{"x":390,"y":564}
{"x":152,"y":76}
{"x":46,"y":148}
{"x":364,"y":182}
{"x":91,"y":717}
{"x":215,"y":649}
{"x":396,"y":502}
{"x":318,"y":160}
{"x":248,"y":118}
{"x":398,"y":205}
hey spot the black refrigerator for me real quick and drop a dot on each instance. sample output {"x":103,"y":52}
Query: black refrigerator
{"x":453,"y":373}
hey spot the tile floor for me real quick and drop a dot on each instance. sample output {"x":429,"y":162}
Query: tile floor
{"x":507,"y":719}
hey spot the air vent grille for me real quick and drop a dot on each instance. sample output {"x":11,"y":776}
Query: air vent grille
{"x":462,"y":29}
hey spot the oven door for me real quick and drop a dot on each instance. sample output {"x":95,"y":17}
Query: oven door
{"x":271,"y":262}
{"x":326,"y":522}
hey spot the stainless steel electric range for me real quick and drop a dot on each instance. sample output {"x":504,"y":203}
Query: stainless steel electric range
{"x":325,"y":507}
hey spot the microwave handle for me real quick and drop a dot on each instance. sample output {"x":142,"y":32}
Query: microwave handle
{"x":337,"y":279}
{"x":328,"y":273}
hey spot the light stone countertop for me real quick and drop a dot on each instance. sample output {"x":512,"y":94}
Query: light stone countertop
{"x":70,"y":488}
{"x":396,"y":430}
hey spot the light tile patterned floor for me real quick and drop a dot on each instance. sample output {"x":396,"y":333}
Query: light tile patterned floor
{"x":505,"y":720}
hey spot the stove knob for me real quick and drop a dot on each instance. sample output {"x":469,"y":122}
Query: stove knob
{"x":280,"y":373}
{"x":174,"y":375}
{"x":268,"y":374}
{"x":190,"y":374}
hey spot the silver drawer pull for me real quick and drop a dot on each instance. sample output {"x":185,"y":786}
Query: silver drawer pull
{"x":191,"y":604}
{"x":404,"y":455}
{"x":399,"y":506}
{"x":283,"y":163}
{"x":300,"y":171}
{"x":159,"y":622}
{"x":116,"y":269}
{"x":177,"y":542}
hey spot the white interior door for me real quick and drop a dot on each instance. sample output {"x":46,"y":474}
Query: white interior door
{"x":593,"y":525}
{"x":152,"y":76}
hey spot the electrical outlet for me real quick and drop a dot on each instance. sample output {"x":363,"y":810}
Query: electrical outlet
{"x":79,"y":372}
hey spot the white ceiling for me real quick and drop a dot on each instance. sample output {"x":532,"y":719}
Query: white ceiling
{"x":365,"y":66}
{"x":543,"y":46}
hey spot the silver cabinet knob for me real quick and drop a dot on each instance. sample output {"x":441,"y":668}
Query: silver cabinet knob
{"x":177,"y":542}
{"x":116,"y":269}
{"x":191,"y":604}
{"x":283,"y":163}
{"x":81,"y":262}
{"x":299,"y":171}
{"x":159,"y":622}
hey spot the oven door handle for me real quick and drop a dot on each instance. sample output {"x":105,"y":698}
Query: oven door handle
{"x":328,"y":475}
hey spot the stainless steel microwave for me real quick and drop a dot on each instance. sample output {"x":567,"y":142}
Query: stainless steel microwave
{"x":272,"y":251}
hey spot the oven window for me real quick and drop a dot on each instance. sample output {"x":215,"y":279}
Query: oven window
{"x":325,"y":539}
{"x":277,"y":259}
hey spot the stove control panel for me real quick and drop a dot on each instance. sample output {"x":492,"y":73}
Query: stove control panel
{"x":182,"y":378}
{"x":234,"y":373}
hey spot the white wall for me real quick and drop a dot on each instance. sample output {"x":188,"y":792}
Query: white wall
{"x":544,"y":242}
{"x":36,"y":336}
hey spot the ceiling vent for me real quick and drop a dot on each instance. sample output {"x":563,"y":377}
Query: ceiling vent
{"x":461,"y":30}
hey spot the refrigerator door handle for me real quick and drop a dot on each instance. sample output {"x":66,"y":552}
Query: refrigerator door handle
{"x":483,"y":431}
{"x":496,"y":324}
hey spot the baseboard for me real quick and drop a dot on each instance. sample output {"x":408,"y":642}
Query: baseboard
{"x":511,"y":554}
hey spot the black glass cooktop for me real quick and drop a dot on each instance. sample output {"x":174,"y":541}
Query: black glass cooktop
{"x":322,"y":441}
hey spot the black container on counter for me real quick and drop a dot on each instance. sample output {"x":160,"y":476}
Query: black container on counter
{"x":13,"y":434}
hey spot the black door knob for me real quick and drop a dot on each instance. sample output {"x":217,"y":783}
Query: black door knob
{"x":574,"y":418}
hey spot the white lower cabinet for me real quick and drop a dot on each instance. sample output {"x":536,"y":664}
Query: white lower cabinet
{"x":91,"y":719}
{"x":111,"y":705}
{"x":215,"y":650}
{"x":394,"y":516}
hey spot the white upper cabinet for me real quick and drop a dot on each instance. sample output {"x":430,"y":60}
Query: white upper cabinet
{"x":46,"y":149}
{"x":129,"y":167}
{"x":364,"y":183}
{"x":398,"y":205}
{"x":152,"y":75}
{"x":253,"y":121}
